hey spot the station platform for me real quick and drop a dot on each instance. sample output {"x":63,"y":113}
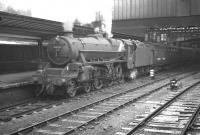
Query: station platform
{"x":16,"y":79}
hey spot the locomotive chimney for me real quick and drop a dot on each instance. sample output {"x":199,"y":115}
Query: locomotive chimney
{"x":68,"y":28}
{"x":68,"y":34}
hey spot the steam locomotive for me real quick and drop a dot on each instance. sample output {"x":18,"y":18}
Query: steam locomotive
{"x":94,"y":61}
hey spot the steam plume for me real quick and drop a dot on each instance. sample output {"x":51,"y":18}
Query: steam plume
{"x":106,"y":12}
{"x":68,"y":25}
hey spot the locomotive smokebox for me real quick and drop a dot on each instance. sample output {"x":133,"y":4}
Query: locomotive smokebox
{"x":59,"y":50}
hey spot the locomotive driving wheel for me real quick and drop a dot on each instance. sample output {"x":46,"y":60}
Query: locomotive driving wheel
{"x":121,"y":79}
{"x":71,"y":88}
{"x":110,"y":73}
{"x":87,"y":87}
{"x":39,"y":90}
{"x":119,"y":73}
{"x":110,"y":83}
{"x":98,"y":84}
{"x":50,"y":89}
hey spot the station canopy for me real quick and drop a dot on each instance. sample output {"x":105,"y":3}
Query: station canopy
{"x":24,"y":27}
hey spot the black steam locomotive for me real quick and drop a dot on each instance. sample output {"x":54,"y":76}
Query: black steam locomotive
{"x":96,"y":61}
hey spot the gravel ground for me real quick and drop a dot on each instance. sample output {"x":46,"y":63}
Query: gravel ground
{"x":116,"y":121}
{"x":81,"y":100}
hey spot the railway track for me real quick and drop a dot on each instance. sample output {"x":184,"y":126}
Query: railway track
{"x":175,"y":116}
{"x":70,"y":121}
{"x":193,"y":126}
{"x":27,"y":108}
{"x":35,"y":105}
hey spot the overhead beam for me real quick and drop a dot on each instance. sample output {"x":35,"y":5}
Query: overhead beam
{"x":20,"y":26}
{"x":7,"y":36}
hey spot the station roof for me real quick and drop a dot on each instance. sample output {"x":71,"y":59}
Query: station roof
{"x":138,"y":27}
{"x":19,"y":26}
{"x":24,"y":27}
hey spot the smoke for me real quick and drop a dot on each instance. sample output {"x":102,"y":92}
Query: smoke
{"x":68,"y":25}
{"x":13,"y":10}
{"x":106,"y":11}
{"x":105,"y":7}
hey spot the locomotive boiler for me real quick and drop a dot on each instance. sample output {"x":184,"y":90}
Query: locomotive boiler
{"x":64,"y":49}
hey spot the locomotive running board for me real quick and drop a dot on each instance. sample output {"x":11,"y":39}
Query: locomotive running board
{"x":105,"y":56}
{"x":104,"y":62}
